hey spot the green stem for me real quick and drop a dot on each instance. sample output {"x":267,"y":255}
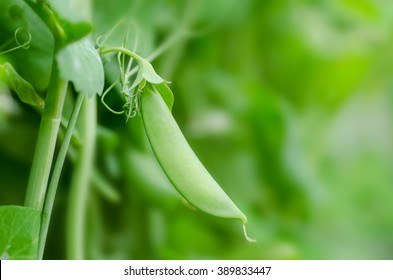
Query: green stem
{"x":79,"y":191}
{"x":98,"y":181}
{"x":106,"y":49}
{"x":46,"y":142}
{"x":51,"y":194}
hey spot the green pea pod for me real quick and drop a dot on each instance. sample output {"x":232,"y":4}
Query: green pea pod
{"x":179,"y":162}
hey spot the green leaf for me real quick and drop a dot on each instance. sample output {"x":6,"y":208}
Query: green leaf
{"x":34,"y":63}
{"x":19,"y":231}
{"x":147,"y":72}
{"x":81,"y":64}
{"x":65,"y":19}
{"x":72,"y":10}
{"x":166,"y":94}
{"x":20,"y":86}
{"x":74,"y":31}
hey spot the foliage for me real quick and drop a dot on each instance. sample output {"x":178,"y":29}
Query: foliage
{"x":287,"y":104}
{"x":19,"y":232}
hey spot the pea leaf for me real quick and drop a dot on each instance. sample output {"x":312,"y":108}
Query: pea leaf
{"x":74,"y":17}
{"x":74,"y":31}
{"x":147,"y":72}
{"x":72,"y":10}
{"x":81,"y":64}
{"x":19,"y":232}
{"x":34,"y":63}
{"x":20,"y":86}
{"x":63,"y":18}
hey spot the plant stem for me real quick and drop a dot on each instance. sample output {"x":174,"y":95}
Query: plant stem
{"x":46,"y":142}
{"x":106,"y":49}
{"x":52,"y":189}
{"x":79,"y":190}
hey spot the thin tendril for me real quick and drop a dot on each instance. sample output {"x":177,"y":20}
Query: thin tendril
{"x":121,"y":61}
{"x":132,"y":59}
{"x":165,"y":46}
{"x":121,"y":68}
{"x":25,"y":45}
{"x":5,"y":44}
{"x":131,"y":105}
{"x":106,"y":105}
{"x":100,"y":41}
{"x":131,"y":94}
{"x":249,"y":239}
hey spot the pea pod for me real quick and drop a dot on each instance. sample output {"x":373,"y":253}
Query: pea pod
{"x":179,"y":162}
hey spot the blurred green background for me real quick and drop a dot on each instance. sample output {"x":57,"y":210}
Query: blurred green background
{"x":288,"y":104}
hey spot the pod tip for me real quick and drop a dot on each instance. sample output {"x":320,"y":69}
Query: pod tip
{"x":249,"y":239}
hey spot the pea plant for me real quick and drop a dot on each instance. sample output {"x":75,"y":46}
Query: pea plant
{"x":51,"y":62}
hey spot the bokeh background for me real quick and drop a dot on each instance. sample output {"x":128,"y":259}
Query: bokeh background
{"x":289,"y":104}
